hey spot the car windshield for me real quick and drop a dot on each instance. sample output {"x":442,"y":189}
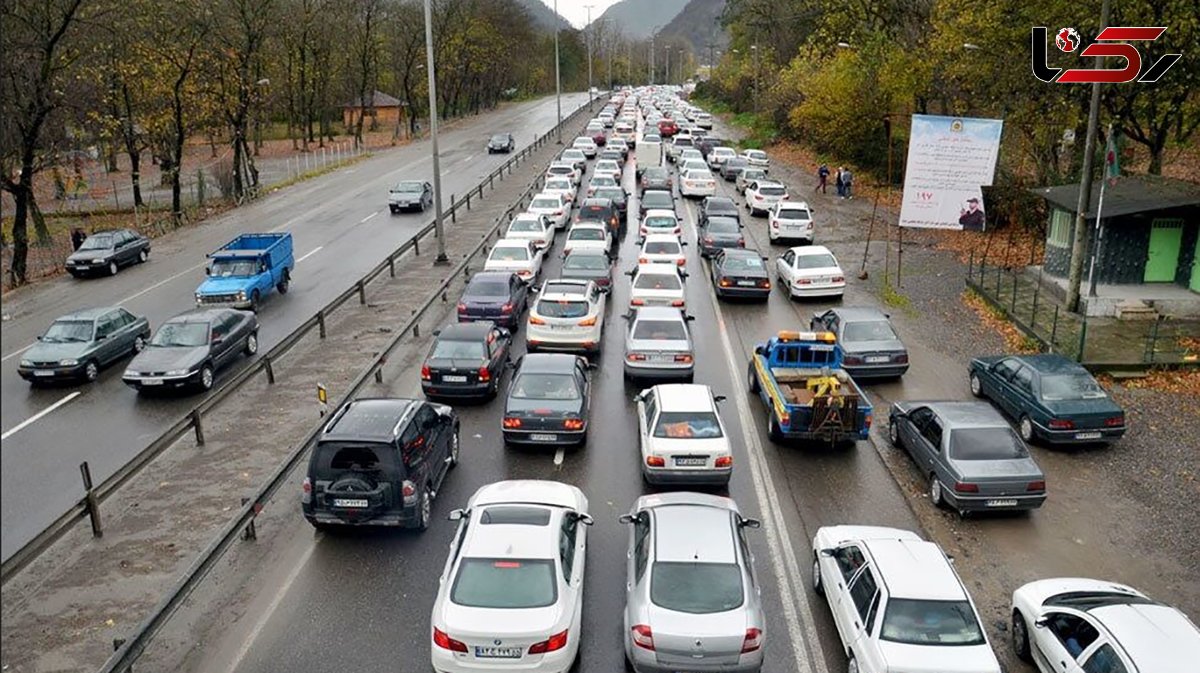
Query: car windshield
{"x":661,"y":248}
{"x":793,"y":214}
{"x":657,"y":281}
{"x":63,"y":331}
{"x":98,"y":242}
{"x":672,"y":330}
{"x":603,"y":181}
{"x":526,"y":225}
{"x":409,"y":187}
{"x":869,"y":330}
{"x":487,"y":288}
{"x":723,"y":226}
{"x":740,"y":263}
{"x":818,"y":261}
{"x":1071,"y":387}
{"x":190,"y":334}
{"x":654,"y":174}
{"x":696,"y":588}
{"x":586,"y":234}
{"x":448,"y":349}
{"x":228,"y":268}
{"x":751,"y":175}
{"x":772,"y":191}
{"x":500,"y":139}
{"x":537,"y":386}
{"x":505,"y":584}
{"x":562,"y":170}
{"x":561,"y":308}
{"x":986,"y":444}
{"x":546,"y":204}
{"x":756,"y":154}
{"x":510,"y":254}
{"x":920,"y":622}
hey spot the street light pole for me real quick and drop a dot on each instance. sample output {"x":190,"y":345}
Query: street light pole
{"x":588,"y":36}
{"x":651,"y":59}
{"x":754,"y":50}
{"x":557,"y":77}
{"x":438,"y":230}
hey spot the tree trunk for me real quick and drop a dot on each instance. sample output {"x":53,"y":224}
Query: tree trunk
{"x":131,"y":148}
{"x":22,"y":192}
{"x":176,"y":168}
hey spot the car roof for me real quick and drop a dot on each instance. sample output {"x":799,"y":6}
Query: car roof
{"x":961,"y":415}
{"x":914,"y":569}
{"x":537,"y":491}
{"x":665,"y":238}
{"x":768,"y":183}
{"x":87,"y":313}
{"x":376,"y":419}
{"x":1157,"y":637}
{"x":491,"y":275}
{"x":719,"y":201}
{"x":1050,"y":363}
{"x":512,"y":540}
{"x":687,"y":533}
{"x":588,"y":224}
{"x":658,"y":313}
{"x":548,"y":363}
{"x":549,"y":195}
{"x":565,"y":286}
{"x":740,"y":252}
{"x":511,"y":243}
{"x":660,"y":212}
{"x":858,"y":313}
{"x":658,"y":268}
{"x":466,"y":331}
{"x":198,"y":315}
{"x":790,"y":205}
{"x":596,"y":201}
{"x":529,"y":216}
{"x":684,"y":396}
{"x":812,"y":250}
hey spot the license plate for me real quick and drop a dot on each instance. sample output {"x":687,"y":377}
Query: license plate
{"x":1001,"y":503}
{"x":152,"y":382}
{"x":660,"y":358}
{"x":543,"y":438}
{"x":875,"y":359}
{"x":454,"y":379}
{"x":821,"y":281}
{"x":561,"y":328}
{"x":347,"y":502}
{"x":41,"y":372}
{"x":482,"y":652}
{"x":1087,"y":435}
{"x":691,"y":461}
{"x":746,"y":283}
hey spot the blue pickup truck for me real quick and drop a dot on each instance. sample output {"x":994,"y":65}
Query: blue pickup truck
{"x":807,"y":394}
{"x":243,"y":271}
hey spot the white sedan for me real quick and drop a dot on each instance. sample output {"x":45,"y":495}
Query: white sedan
{"x":553,"y":206}
{"x":756,"y":158}
{"x":565,"y":169}
{"x":531,"y":227}
{"x":788,"y":219}
{"x":659,"y":221}
{"x":762,"y":194}
{"x":810,"y":271}
{"x":585,"y":145}
{"x":682,"y":437}
{"x":1077,"y":625}
{"x":511,"y":593}
{"x":568,"y":315}
{"x":518,"y":256}
{"x":662,"y":249}
{"x":719,"y":155}
{"x":600,"y":181}
{"x":658,"y":285}
{"x":607,"y":167}
{"x":697,"y":184}
{"x":563,"y":186}
{"x":588,"y":236}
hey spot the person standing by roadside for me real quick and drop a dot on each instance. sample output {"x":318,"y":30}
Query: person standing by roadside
{"x":841,"y":185}
{"x":77,"y":238}
{"x":847,"y":184}
{"x":822,"y":178}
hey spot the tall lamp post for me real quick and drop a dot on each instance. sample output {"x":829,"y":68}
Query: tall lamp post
{"x":557,"y":77}
{"x":438,"y":230}
{"x":588,"y":36}
{"x":754,"y":50}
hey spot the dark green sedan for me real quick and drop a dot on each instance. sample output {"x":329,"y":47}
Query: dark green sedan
{"x":1053,"y":399}
{"x":77,"y":345}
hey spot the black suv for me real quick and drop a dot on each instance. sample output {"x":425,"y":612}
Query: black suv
{"x":380,"y":462}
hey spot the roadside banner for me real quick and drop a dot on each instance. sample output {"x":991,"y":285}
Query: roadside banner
{"x":949,"y":160}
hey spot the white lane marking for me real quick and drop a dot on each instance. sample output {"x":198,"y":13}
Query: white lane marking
{"x":34,"y":418}
{"x":369,"y":216}
{"x":310,"y":253}
{"x":280,"y":593}
{"x":558,"y":457}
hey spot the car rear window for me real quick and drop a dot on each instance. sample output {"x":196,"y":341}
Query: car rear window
{"x":869,"y":330}
{"x":660,"y":329}
{"x":586,"y":234}
{"x":589,"y":262}
{"x":515,"y":514}
{"x":657,"y":281}
{"x":526,"y":225}
{"x":447,"y":349}
{"x":661,"y":223}
{"x":723,"y":226}
{"x":688,"y":425}
{"x":793,"y":214}
{"x":772,"y":191}
{"x":733,"y":263}
{"x":510,"y":254}
{"x":696,"y":588}
{"x":819,"y":261}
{"x":335,"y":460}
{"x":1071,"y":387}
{"x":661,"y":248}
{"x":921,"y":622}
{"x":603,"y":181}
{"x":664,"y":201}
{"x":561,"y":308}
{"x":559,"y":184}
{"x":655,"y":174}
{"x":538,"y":386}
{"x":986,"y":444}
{"x":597,"y":212}
{"x":505,"y":584}
{"x":546,"y":203}
{"x":487,"y":288}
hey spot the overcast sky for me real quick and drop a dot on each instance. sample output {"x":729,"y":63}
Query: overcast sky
{"x":576,"y":11}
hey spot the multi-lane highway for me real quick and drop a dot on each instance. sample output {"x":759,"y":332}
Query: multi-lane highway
{"x":341,"y":228}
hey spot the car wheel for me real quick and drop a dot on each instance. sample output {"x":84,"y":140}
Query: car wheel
{"x":894,"y":433}
{"x":776,"y":432}
{"x":91,"y":371}
{"x":817,"y":585}
{"x":454,"y":443}
{"x":752,"y":380}
{"x":206,"y":377}
{"x":976,"y":386}
{"x":112,"y":268}
{"x":252,"y":344}
{"x":935,"y":491}
{"x":143,"y":256}
{"x":139,"y":344}
{"x":424,"y":510}
{"x":852,"y":665}
{"x":394,"y":209}
{"x":1020,"y":637}
{"x":255,"y":301}
{"x":284,"y":282}
{"x":1025,"y":426}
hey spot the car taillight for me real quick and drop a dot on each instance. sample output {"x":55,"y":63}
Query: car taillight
{"x":637,"y":302}
{"x":774,"y":225}
{"x":1115,"y":421}
{"x":960,"y":487}
{"x":708,"y":240}
{"x":683,"y":357}
{"x":558,"y":212}
{"x":306,"y":490}
{"x":752,"y":641}
{"x":588,"y":322}
{"x":507,"y":308}
{"x":573,"y":424}
{"x":1036,"y":486}
{"x":901,"y":358}
{"x":681,"y":261}
{"x":724,"y":461}
{"x":555,"y":642}
{"x":764,"y":284}
{"x":803,"y":281}
{"x":678,"y":303}
{"x":534,"y":320}
{"x":524,"y":273}
{"x":852,"y":360}
{"x":446,"y":642}
{"x":408,"y":490}
{"x":462,"y":308}
{"x":839,"y":279}
{"x":484,"y":374}
{"x":869,"y":417}
{"x":643,"y":637}
{"x":724,"y":282}
{"x":635,"y":357}
{"x":510,"y":423}
{"x":785,"y":197}
{"x":643,"y":260}
{"x":656,"y":461}
{"x":741,"y":243}
{"x":426,"y":374}
{"x":1061,"y":424}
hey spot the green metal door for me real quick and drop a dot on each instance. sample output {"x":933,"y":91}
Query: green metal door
{"x":1195,"y":284}
{"x":1162,"y":257}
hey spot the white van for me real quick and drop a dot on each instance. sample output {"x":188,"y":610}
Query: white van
{"x":649,"y":155}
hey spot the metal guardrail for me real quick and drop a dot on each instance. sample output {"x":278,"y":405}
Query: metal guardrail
{"x":193,"y":419}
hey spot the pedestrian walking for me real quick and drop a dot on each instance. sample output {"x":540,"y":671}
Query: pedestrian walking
{"x":847,"y":184}
{"x":822,"y":178}
{"x":841,"y":185}
{"x":77,"y":238}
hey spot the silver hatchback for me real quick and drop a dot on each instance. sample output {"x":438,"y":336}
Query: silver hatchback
{"x":659,"y":345}
{"x":691,"y":602}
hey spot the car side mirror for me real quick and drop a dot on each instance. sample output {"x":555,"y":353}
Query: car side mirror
{"x":626,"y":518}
{"x":505,"y":332}
{"x":456,"y":515}
{"x":827,"y":553}
{"x":585,"y":519}
{"x":750,"y":523}
{"x":217,"y":341}
{"x":683,"y":244}
{"x":689,"y":318}
{"x":208,"y":270}
{"x":719,"y":398}
{"x":437,"y":332}
{"x":1041,"y":623}
{"x":39,"y":338}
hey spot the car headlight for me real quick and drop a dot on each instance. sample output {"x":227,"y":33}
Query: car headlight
{"x":68,"y":362}
{"x":26,"y":363}
{"x":241,"y":295}
{"x":177,"y":372}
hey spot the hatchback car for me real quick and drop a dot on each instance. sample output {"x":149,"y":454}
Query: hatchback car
{"x":697,"y":183}
{"x":738,"y":273}
{"x":656,"y":178}
{"x":718,"y":233}
{"x":466,"y":360}
{"x":107,"y":251}
{"x":499,"y":296}
{"x":719,"y":155}
{"x":585,"y":264}
{"x":761,"y":195}
{"x":548,"y":401}
{"x":553,"y":205}
{"x":655,"y":199}
{"x":866,"y":335}
{"x":659,"y":221}
{"x":659,"y":345}
{"x":973,"y":459}
{"x":787,"y":220}
{"x":588,"y":236}
{"x":657,"y":285}
{"x":586,"y":145}
{"x":518,"y":256}
{"x":77,"y":345}
{"x":1053,"y":399}
{"x":757,"y":158}
{"x":692,"y":599}
{"x":746,"y":176}
{"x":682,"y":437}
{"x":530,"y":227}
{"x":510,"y":595}
{"x":380,"y":462}
{"x":810,"y":271}
{"x":662,"y":249}
{"x":568,"y":315}
{"x":897,"y":602}
{"x":410,"y":195}
{"x":187,"y":350}
{"x":1077,"y":624}
{"x":501,"y":142}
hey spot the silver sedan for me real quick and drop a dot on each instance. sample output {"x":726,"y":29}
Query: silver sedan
{"x":691,"y":602}
{"x":659,"y":345}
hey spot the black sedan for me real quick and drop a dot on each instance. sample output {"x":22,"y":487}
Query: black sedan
{"x":548,"y":401}
{"x":719,"y":232}
{"x":867,"y":338}
{"x":655,"y":199}
{"x":588,"y":264}
{"x":714,"y":206}
{"x":105,"y":252}
{"x":188,"y":349}
{"x":498,"y":296}
{"x":973,"y":459}
{"x":501,"y":142}
{"x":77,"y":345}
{"x":740,"y":273}
{"x":619,"y":198}
{"x":466,"y":360}
{"x":1053,"y":399}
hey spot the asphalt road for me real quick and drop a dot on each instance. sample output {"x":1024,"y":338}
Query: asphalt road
{"x":341,"y":229}
{"x":361,"y":601}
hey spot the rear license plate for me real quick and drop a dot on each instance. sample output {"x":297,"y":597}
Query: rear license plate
{"x":1087,"y":435}
{"x":561,"y":328}
{"x":482,"y":652}
{"x":876,"y":359}
{"x":660,"y":358}
{"x":1001,"y":503}
{"x":543,"y":438}
{"x":821,"y":281}
{"x":746,"y":283}
{"x":43,"y":372}
{"x":454,"y":379}
{"x":152,"y":382}
{"x":691,"y":461}
{"x":347,"y":502}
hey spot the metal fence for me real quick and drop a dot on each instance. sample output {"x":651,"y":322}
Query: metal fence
{"x":1096,"y":342}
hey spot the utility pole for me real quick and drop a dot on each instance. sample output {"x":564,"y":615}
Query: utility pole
{"x":438,"y":230}
{"x":588,"y":35}
{"x":712,"y":64}
{"x":667,"y":49}
{"x":1075,"y":275}
{"x":754,"y":50}
{"x":652,"y":59}
{"x":557,"y":77}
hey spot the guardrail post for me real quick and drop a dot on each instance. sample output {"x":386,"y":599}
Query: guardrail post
{"x":321,"y":322}
{"x":417,"y":247}
{"x":453,"y":211}
{"x":91,"y":503}
{"x":491,"y":182}
{"x":468,"y":200}
{"x":481,"y":190}
{"x":362,"y":293}
{"x":199,"y":427}
{"x":250,"y":532}
{"x":269,"y":369}
{"x":392,"y":267}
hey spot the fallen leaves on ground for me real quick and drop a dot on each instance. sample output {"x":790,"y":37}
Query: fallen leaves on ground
{"x":1015,"y":341}
{"x":1175,"y":381}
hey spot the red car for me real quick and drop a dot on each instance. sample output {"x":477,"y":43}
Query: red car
{"x":599,"y":138}
{"x":667,"y":128}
